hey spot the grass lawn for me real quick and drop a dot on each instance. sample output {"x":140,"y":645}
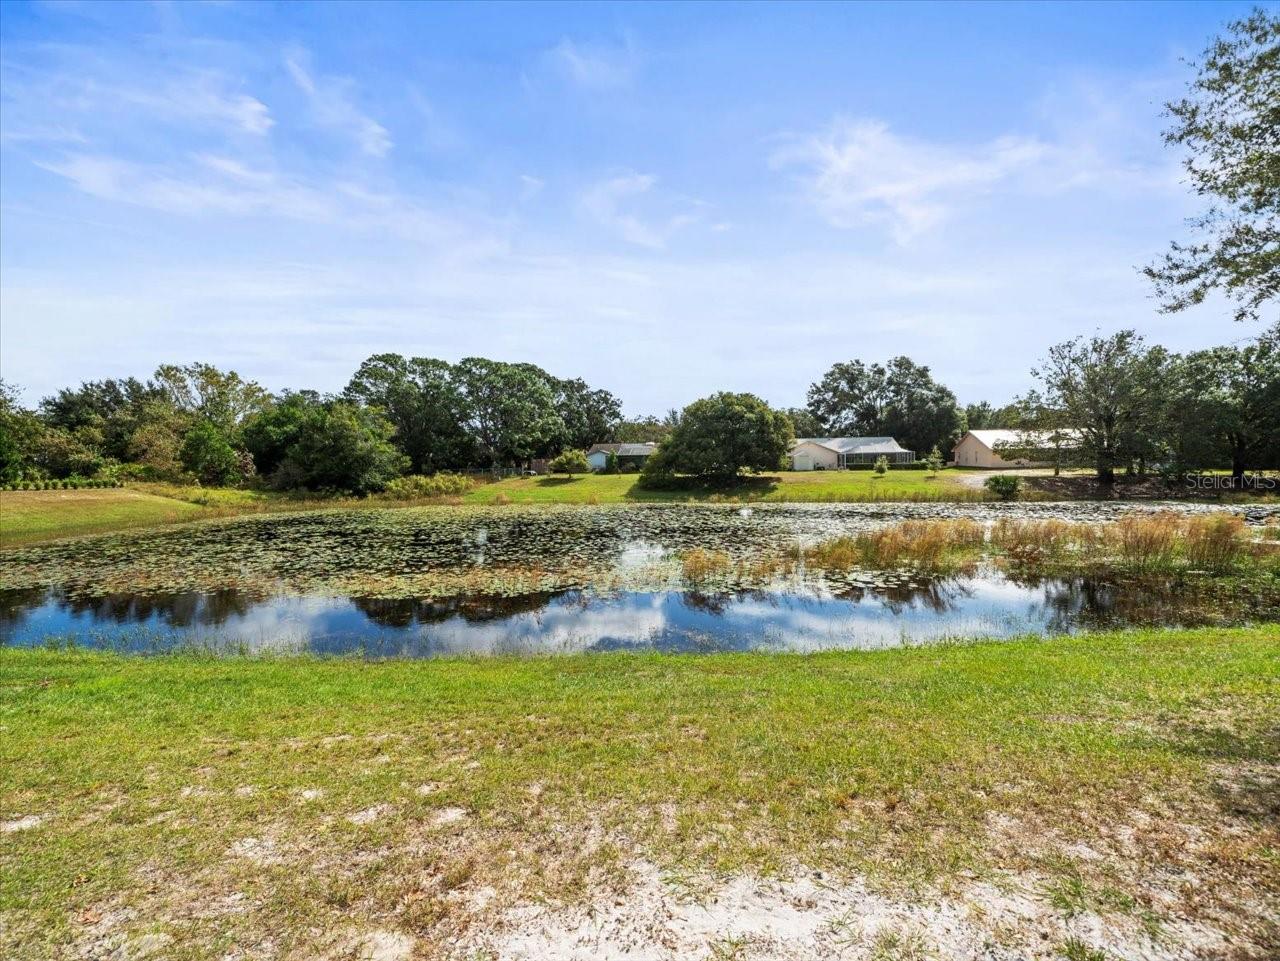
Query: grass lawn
{"x":39,"y":515}
{"x":312,"y":808}
{"x":797,"y":486}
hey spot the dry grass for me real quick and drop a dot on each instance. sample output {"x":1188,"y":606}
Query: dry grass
{"x":926,"y":545}
{"x":700,"y":566}
{"x":1152,"y":543}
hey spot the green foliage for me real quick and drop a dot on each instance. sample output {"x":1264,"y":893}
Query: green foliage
{"x":611,"y":463}
{"x":223,"y":398}
{"x":422,"y":399}
{"x":413,"y":486}
{"x":646,"y":430}
{"x":339,"y":446}
{"x":1228,"y":123}
{"x":1112,"y":391}
{"x":899,"y":400}
{"x":1004,"y":486}
{"x":572,"y":462}
{"x":881,"y":466}
{"x":208,"y":455}
{"x":510,"y":409}
{"x":720,"y":437}
{"x":933,"y":463}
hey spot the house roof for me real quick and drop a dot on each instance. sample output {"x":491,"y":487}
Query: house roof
{"x":990,"y":438}
{"x":623,"y":450}
{"x":856,"y":445}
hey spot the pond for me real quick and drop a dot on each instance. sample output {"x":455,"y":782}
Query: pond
{"x":448,"y":580}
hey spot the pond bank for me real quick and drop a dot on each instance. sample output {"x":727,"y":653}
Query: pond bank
{"x":1028,"y":796}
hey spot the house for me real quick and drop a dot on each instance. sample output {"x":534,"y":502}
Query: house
{"x":980,"y":448}
{"x":629,"y":455}
{"x":833,"y":453}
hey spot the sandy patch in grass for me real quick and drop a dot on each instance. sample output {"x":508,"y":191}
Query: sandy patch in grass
{"x":370,"y":814}
{"x":24,"y":823}
{"x":811,"y":918}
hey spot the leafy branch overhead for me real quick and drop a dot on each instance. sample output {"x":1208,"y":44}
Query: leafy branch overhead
{"x":1229,"y":124}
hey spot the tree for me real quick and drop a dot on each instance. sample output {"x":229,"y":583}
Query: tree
{"x":721,"y":436}
{"x":225,"y":399}
{"x":934,"y":461}
{"x":341,"y":446}
{"x":1230,"y":125}
{"x":590,"y":415}
{"x":803,"y":423}
{"x":645,"y":430}
{"x":979,"y":416}
{"x":208,"y":454}
{"x":510,"y":410}
{"x":19,"y":431}
{"x":271,"y":433}
{"x":1110,"y":390}
{"x":103,"y":414}
{"x":900,"y":400}
{"x":570,"y":462}
{"x":1225,"y":408}
{"x":420,"y":397}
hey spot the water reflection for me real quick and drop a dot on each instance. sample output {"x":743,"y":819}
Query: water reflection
{"x":988,"y":604}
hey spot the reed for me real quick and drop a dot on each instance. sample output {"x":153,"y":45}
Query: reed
{"x":700,"y":565}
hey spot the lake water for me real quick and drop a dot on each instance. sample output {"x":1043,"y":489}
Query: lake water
{"x":443,"y":581}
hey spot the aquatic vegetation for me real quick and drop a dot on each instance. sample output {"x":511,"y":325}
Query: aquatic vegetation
{"x":700,"y":565}
{"x":435,"y":552}
{"x":933,"y":546}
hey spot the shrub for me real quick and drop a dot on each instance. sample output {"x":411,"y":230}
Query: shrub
{"x":882,"y":466}
{"x":1004,"y":486}
{"x":434,"y":485}
{"x":611,"y":463}
{"x":571,"y":462}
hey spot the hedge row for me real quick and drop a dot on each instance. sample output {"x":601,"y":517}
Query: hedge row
{"x":61,"y":485}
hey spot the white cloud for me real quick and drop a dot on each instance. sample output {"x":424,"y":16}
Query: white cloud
{"x":595,"y":66}
{"x":613,"y":203}
{"x":333,"y":105}
{"x":859,"y":171}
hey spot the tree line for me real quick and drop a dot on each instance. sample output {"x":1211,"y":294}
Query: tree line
{"x":1113,"y":403}
{"x":397,"y":415}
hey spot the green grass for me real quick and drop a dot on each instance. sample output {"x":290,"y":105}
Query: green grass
{"x":799,"y":486}
{"x":168,"y":785}
{"x":39,"y":515}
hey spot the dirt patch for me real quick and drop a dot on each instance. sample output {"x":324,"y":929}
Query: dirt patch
{"x":811,"y":917}
{"x":24,"y":823}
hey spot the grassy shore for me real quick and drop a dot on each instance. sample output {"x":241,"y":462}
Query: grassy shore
{"x":209,"y":805}
{"x":789,"y":487}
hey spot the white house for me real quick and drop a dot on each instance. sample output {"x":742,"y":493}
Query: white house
{"x":833,"y":453}
{"x":628,"y":454}
{"x":979,"y":448}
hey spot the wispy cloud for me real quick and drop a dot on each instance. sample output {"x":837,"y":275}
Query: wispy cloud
{"x":333,"y":105}
{"x":614,"y":203}
{"x":593,"y":65}
{"x":859,"y":172}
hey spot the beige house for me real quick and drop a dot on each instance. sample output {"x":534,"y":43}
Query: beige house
{"x":980,"y":448}
{"x":834,"y":453}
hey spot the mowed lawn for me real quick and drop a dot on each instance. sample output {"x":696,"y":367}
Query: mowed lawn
{"x":787,"y":486}
{"x":240,"y":801}
{"x":39,"y":515}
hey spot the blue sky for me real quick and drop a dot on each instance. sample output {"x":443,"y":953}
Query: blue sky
{"x":665,"y":200}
